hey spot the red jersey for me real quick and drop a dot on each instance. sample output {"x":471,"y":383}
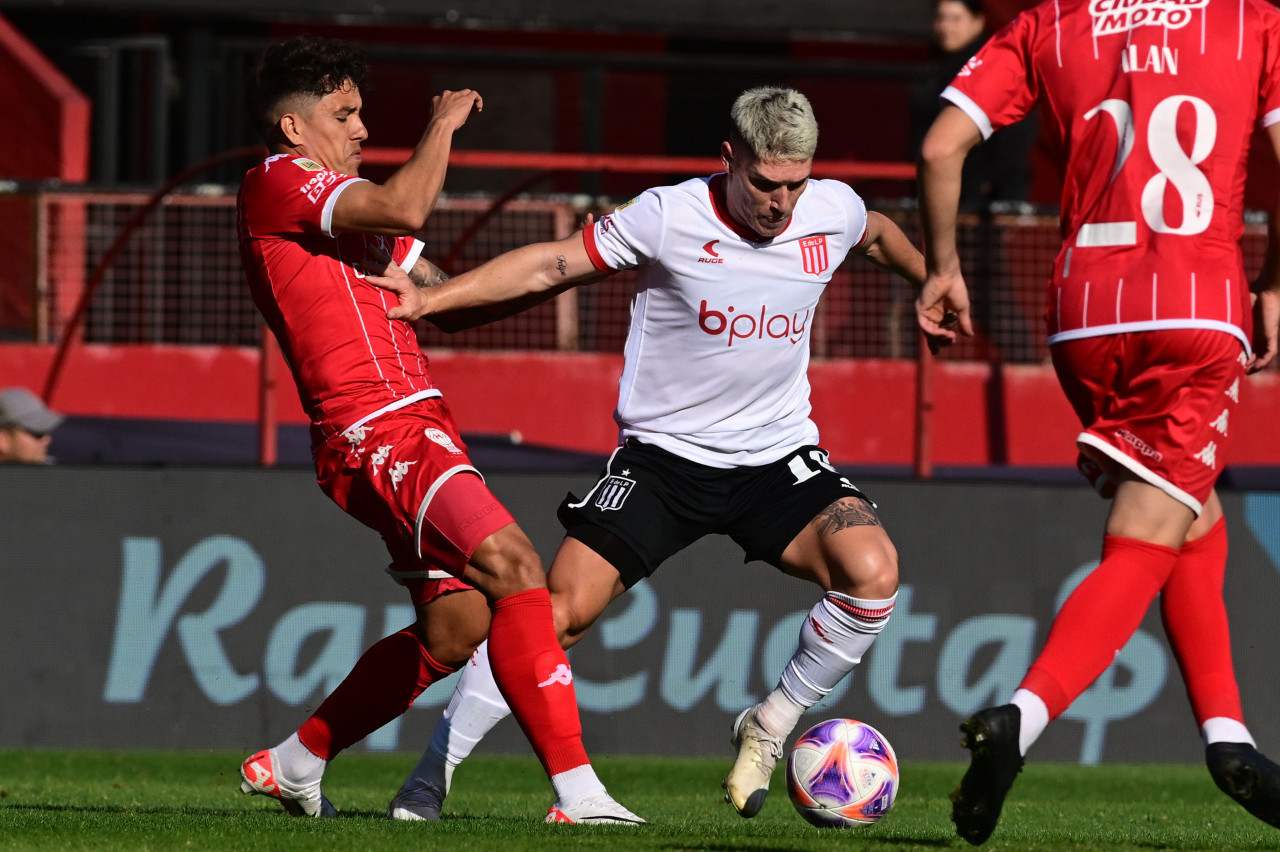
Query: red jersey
{"x":349,"y":361}
{"x":1152,"y":103}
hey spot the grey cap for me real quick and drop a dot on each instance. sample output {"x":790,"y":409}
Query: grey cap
{"x":20,"y":407}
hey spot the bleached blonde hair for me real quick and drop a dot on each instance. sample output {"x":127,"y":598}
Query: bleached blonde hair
{"x":775,"y":124}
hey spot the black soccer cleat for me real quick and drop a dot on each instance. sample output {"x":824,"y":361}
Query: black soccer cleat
{"x":1248,"y":776}
{"x":991,"y":736}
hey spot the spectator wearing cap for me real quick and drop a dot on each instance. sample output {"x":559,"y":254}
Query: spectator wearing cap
{"x":26,"y":427}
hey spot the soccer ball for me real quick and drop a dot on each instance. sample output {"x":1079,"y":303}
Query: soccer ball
{"x":842,"y":774}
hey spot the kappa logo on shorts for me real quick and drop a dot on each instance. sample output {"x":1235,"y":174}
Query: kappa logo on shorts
{"x":398,"y":470}
{"x":379,"y":457}
{"x":613,"y":493}
{"x":357,"y":435}
{"x":1140,"y":445}
{"x":1209,"y":455}
{"x":443,"y":440}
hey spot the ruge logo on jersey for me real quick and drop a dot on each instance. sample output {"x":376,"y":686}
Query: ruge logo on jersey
{"x":813,"y":251}
{"x":713,"y":255}
{"x":1120,"y":16}
{"x":757,"y":324}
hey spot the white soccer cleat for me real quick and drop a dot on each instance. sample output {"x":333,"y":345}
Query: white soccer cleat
{"x":747,"y":784}
{"x":599,"y":809}
{"x":420,"y":802}
{"x":261,"y":776}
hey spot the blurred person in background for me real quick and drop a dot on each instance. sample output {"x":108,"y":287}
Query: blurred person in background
{"x":999,"y":169}
{"x":386,"y":448}
{"x":26,"y":427}
{"x":1152,"y":327}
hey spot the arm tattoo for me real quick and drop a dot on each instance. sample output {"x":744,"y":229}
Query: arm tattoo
{"x":426,"y":274}
{"x":562,"y":265}
{"x":847,"y":512}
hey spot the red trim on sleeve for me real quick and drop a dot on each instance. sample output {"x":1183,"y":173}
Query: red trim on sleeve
{"x":865,"y":230}
{"x":593,"y":252}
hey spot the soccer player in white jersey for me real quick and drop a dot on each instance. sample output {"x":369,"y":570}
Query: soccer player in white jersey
{"x":713,"y":410}
{"x":1151,"y":331}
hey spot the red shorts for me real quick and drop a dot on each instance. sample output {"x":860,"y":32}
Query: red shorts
{"x":1158,"y":403}
{"x":406,"y":474}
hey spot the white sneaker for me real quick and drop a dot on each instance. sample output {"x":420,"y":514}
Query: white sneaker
{"x":417,"y":802}
{"x":261,"y":776}
{"x":747,"y":784}
{"x":598,"y":809}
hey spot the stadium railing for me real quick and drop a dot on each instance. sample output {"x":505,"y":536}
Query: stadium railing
{"x":164,"y":268}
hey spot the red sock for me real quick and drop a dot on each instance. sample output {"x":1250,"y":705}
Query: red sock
{"x":1097,"y":619}
{"x":385,"y":681}
{"x":1195,"y":620}
{"x":533,"y":673}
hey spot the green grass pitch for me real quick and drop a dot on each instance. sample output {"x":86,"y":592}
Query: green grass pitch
{"x":82,"y":800}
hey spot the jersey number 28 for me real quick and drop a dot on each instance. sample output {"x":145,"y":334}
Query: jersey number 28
{"x":1176,"y":167}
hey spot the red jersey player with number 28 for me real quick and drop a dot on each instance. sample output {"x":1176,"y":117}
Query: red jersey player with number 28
{"x":1151,"y":325}
{"x":385,"y":445}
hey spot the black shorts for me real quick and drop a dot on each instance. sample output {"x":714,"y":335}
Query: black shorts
{"x":651,"y":504}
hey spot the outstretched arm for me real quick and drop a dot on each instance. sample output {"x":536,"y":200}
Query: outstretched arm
{"x":402,"y":204}
{"x":509,"y":283}
{"x":888,"y":248}
{"x":1266,"y":287}
{"x":942,"y":156}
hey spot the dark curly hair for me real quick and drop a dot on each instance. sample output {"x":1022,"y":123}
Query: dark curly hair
{"x":302,"y":65}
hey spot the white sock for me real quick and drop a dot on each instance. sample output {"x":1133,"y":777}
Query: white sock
{"x":576,"y":783}
{"x":475,"y":708}
{"x":1035,"y":718}
{"x":298,"y":763}
{"x":1222,"y":729}
{"x":838,"y":631}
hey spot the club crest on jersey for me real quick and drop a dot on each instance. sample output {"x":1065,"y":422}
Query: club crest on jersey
{"x":443,"y":440}
{"x":308,"y":165}
{"x":813,"y":250}
{"x":613,"y":493}
{"x":1120,"y":16}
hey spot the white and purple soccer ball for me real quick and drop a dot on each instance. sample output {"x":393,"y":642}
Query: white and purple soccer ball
{"x":841,"y":774}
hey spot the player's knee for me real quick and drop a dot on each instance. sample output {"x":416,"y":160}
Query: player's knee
{"x":506,"y":563}
{"x":506,"y":571}
{"x":454,"y":650}
{"x":450,"y":628}
{"x":871,"y":573}
{"x":572,"y":618}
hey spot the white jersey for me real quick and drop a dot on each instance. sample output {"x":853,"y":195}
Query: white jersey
{"x":717,"y":356}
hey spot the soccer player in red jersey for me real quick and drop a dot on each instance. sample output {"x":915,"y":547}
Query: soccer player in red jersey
{"x":385,"y":445}
{"x":1151,"y":324}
